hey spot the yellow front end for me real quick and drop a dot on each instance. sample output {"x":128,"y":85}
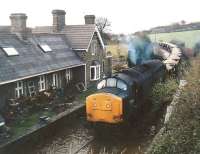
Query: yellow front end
{"x":104,"y":107}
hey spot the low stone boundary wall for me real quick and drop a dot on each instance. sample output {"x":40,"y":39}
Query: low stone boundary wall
{"x":170,"y":110}
{"x":39,"y":132}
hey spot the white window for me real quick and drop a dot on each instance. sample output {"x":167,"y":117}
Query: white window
{"x":101,"y":84}
{"x":93,"y":47}
{"x":55,"y":80}
{"x":45,"y":47}
{"x":19,"y":89}
{"x":68,"y":75}
{"x":10,"y":51}
{"x":95,"y":72}
{"x":41,"y":83}
{"x":31,"y":88}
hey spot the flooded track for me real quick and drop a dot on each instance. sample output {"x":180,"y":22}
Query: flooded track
{"x":77,"y":136}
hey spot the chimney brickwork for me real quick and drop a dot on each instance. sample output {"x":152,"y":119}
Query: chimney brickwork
{"x":58,"y":20}
{"x":89,"y":19}
{"x":18,"y":22}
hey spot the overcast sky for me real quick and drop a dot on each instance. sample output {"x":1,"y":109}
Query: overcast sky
{"x":126,"y":16}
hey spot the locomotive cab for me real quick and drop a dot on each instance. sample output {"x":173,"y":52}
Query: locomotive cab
{"x":120,"y":98}
{"x":107,"y":104}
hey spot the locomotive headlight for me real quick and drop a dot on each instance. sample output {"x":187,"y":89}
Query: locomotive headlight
{"x":107,"y":105}
{"x":94,"y":104}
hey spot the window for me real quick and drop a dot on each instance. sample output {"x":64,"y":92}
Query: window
{"x":55,"y":80}
{"x":111,"y":82}
{"x":95,"y":72}
{"x":45,"y":47}
{"x":68,"y":75}
{"x":101,"y":84}
{"x":42,"y":83}
{"x":93,"y":47}
{"x":92,"y":72}
{"x":31,"y":88}
{"x":98,"y":72}
{"x":10,"y":51}
{"x":103,"y":63}
{"x":19,"y":89}
{"x":121,"y":85}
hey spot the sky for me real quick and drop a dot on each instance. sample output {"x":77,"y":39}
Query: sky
{"x":126,"y":16}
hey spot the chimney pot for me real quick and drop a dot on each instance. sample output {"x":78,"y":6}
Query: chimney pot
{"x":58,"y":20}
{"x":89,"y":19}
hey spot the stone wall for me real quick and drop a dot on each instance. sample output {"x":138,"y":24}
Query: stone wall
{"x":100,"y":56}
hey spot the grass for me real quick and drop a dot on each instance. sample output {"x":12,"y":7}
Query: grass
{"x":117,"y":50}
{"x":182,"y":133}
{"x":189,"y":37}
{"x":25,"y":122}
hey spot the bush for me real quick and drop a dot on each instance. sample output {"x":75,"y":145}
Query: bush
{"x":162,"y":93}
{"x":182,"y":133}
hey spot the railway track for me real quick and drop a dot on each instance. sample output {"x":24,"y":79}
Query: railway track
{"x":84,"y":146}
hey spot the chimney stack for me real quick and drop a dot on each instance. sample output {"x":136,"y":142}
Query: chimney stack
{"x":18,"y":25}
{"x":89,"y":19}
{"x":58,"y":20}
{"x":18,"y":22}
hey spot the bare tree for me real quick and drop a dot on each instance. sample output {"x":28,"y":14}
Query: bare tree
{"x":103,"y":24}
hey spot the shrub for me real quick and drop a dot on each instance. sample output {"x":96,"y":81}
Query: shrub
{"x":182,"y":133}
{"x":162,"y":93}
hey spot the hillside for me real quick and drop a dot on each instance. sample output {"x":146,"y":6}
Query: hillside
{"x":189,"y":37}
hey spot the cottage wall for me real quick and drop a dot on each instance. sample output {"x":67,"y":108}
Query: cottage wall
{"x":7,"y":91}
{"x":99,"y":56}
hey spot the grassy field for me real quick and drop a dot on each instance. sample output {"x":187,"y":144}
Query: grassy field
{"x":117,"y":50}
{"x":189,"y":37}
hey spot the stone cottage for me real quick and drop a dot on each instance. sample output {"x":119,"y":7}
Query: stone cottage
{"x":34,"y":60}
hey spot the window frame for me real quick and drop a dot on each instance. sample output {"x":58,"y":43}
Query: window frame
{"x":43,"y":46}
{"x":93,"y":47}
{"x":55,"y":82}
{"x":31,"y":88}
{"x":19,"y":88}
{"x":42,"y":81}
{"x":14,"y":52}
{"x":96,"y":76}
{"x":119,"y":80}
{"x":115,"y":82}
{"x":115,"y":85}
{"x":68,"y":75}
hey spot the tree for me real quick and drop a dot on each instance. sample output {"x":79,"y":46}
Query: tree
{"x":103,"y":25}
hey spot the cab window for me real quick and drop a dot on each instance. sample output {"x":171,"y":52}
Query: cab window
{"x":121,"y":85}
{"x":101,"y":84}
{"x":111,"y":82}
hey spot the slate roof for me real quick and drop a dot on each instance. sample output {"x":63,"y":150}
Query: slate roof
{"x":32,"y":60}
{"x":79,"y":36}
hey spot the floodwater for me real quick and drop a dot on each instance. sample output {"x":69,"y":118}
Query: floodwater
{"x":77,"y":136}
